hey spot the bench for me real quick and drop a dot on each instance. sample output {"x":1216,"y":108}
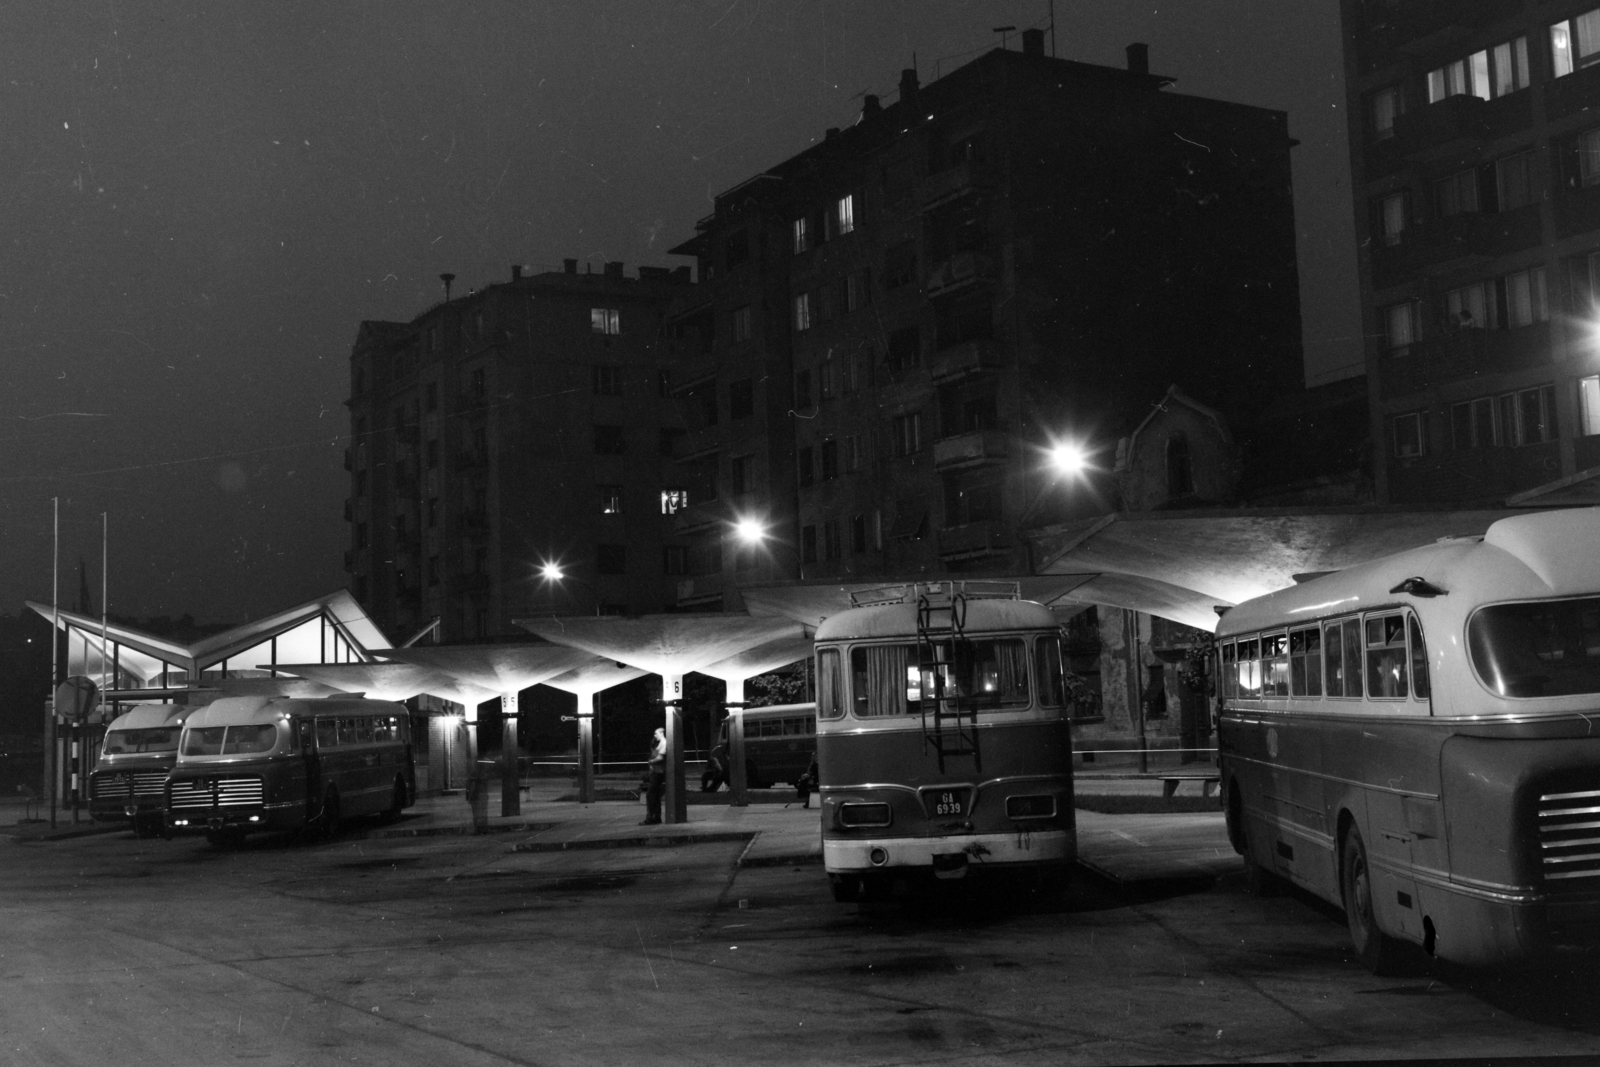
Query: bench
{"x":1207,"y":779}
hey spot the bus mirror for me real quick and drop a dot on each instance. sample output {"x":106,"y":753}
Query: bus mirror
{"x":1419,"y":587}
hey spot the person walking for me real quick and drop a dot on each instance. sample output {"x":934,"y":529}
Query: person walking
{"x":658,"y":779}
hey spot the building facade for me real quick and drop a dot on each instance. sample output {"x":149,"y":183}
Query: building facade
{"x":1475,"y":152}
{"x":894,"y":326}
{"x":522,"y":425}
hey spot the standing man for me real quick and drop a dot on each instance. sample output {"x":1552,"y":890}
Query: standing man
{"x":658,"y":778}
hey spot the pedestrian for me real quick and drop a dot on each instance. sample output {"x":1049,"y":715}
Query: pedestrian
{"x":658,"y":778}
{"x":807,"y":784}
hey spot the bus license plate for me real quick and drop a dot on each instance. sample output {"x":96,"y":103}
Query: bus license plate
{"x":949,"y":802}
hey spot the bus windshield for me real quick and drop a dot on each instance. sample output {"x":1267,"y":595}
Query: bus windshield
{"x":889,"y":680}
{"x":1540,"y":649}
{"x":230,"y":740}
{"x":154,"y":739}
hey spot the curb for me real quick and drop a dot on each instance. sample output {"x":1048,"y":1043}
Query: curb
{"x":794,"y":859}
{"x":62,"y":835}
{"x":636,"y":841}
{"x":464,"y":830}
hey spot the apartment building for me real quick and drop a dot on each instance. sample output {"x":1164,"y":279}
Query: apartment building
{"x":895,"y":325}
{"x":507,"y":453}
{"x":1475,"y":148}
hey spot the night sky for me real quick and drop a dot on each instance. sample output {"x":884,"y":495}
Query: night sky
{"x":199,"y":203}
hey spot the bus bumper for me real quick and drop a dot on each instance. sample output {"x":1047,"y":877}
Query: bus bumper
{"x":951,"y":856}
{"x":286,"y":816}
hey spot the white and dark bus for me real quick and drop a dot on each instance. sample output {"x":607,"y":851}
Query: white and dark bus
{"x":1417,"y":740}
{"x":266,"y":763}
{"x":129,"y":781}
{"x":943,"y":743}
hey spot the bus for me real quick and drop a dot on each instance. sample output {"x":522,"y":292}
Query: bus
{"x":780,"y":744}
{"x":129,"y":780}
{"x":943,"y":744}
{"x":1416,"y":741}
{"x":272,"y":763}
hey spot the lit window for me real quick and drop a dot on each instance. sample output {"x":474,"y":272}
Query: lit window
{"x":1466,"y":307}
{"x":1469,"y":76}
{"x":802,"y":311}
{"x":1387,"y":105}
{"x":605,"y":320}
{"x":610,"y":499}
{"x":1400,"y":327}
{"x":1392,"y":217}
{"x":845,"y":215}
{"x":1511,"y":66}
{"x":1574,"y":43}
{"x":1408,"y":440}
{"x":802,"y":235}
{"x":1524,"y":296}
{"x":674,"y":500}
{"x":1589,"y":404}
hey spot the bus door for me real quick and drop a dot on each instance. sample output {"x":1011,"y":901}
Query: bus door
{"x":307,"y":736}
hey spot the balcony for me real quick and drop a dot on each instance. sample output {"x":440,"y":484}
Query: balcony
{"x":992,"y":537}
{"x":959,"y":271}
{"x":1453,"y":125}
{"x":973,"y":449}
{"x":958,"y":181}
{"x":700,"y":516}
{"x":1456,"y":242}
{"x":981,"y":356}
{"x":1572,"y":93}
{"x":1464,"y":354}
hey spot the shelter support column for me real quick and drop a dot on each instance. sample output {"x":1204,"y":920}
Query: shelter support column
{"x":585,"y":748}
{"x":677,"y":802}
{"x":510,"y":786}
{"x":738,"y":784}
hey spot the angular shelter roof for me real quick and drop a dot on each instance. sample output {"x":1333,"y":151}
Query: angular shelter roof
{"x":498,"y":669}
{"x":664,"y":644}
{"x":389,"y":681}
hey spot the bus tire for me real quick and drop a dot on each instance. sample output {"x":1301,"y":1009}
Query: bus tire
{"x":398,"y":804}
{"x":1378,"y":952}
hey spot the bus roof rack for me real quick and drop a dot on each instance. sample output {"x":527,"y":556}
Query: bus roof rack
{"x":971,"y":589}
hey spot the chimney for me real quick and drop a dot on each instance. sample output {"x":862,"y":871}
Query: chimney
{"x":516,"y":272}
{"x":570,"y":266}
{"x":1033,"y":42}
{"x":1138,"y":58}
{"x":908,"y":88}
{"x":870,"y":106}
{"x":614,"y":269}
{"x":447,"y":279}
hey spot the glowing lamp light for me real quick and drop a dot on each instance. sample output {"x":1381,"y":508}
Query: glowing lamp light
{"x":750,"y":531}
{"x":1068,"y":458}
{"x":551,"y":572}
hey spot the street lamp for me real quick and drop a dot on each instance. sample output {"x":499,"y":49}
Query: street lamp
{"x":750,"y":531}
{"x":551,"y":571}
{"x":1068,"y":458}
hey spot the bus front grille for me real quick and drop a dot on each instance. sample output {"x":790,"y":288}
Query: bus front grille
{"x":189,"y":793}
{"x":124,"y":785}
{"x":1569,"y":840}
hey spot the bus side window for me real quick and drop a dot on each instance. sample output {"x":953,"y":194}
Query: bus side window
{"x":1275,"y":665}
{"x":327,"y":733}
{"x":347,"y":731}
{"x":1333,"y":660}
{"x":1250,"y":669}
{"x":1228,"y":674}
{"x":381,"y":728}
{"x":1305,"y":662}
{"x":1420,"y":686}
{"x":830,"y":685}
{"x":1052,"y":678}
{"x":364,"y":729}
{"x":1386,"y":656}
{"x":878,"y":679}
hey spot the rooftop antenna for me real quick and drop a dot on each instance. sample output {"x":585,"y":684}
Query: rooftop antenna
{"x":447,"y":278}
{"x":1002,"y":31}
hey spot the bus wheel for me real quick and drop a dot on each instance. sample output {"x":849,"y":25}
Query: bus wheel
{"x":846,"y":889}
{"x":1379,"y":952}
{"x":328,"y":821}
{"x":398,"y":804}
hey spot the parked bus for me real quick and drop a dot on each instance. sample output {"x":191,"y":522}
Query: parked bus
{"x":1415,"y":740}
{"x":129,"y":780}
{"x":272,"y":763}
{"x":780,"y":744}
{"x":943,"y":744}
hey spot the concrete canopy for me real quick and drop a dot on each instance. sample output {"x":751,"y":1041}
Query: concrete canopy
{"x":667,"y":645}
{"x":595,"y":676}
{"x":760,"y":660}
{"x":499,"y":669}
{"x":811,"y":603}
{"x":1181,"y":564}
{"x":388,"y":681}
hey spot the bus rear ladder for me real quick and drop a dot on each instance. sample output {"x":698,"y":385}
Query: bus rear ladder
{"x":943,"y":658}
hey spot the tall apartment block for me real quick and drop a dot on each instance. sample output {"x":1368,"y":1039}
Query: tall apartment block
{"x":1475,"y":146}
{"x":893,"y":326}
{"x":521,"y":425}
